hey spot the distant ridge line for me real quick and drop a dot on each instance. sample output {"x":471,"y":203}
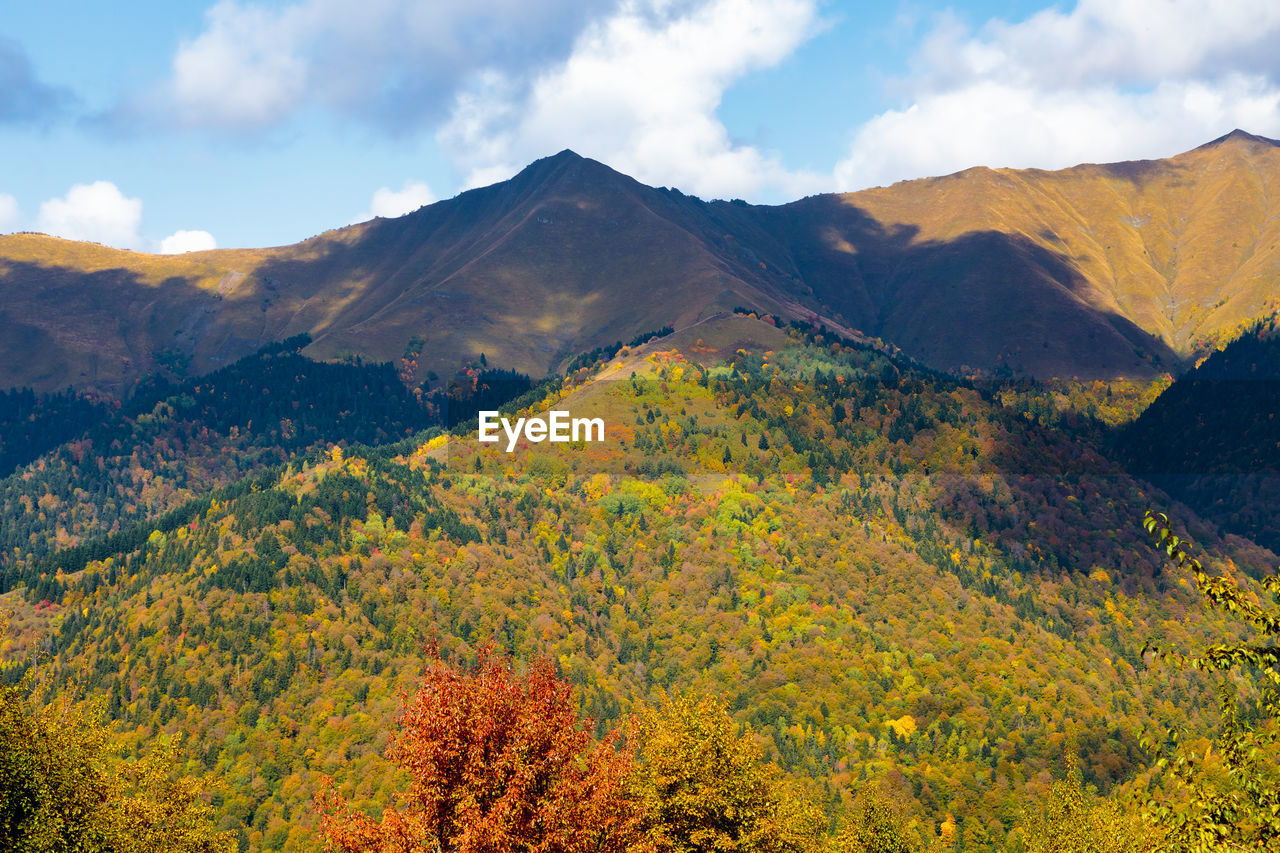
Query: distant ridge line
{"x":1241,"y":135}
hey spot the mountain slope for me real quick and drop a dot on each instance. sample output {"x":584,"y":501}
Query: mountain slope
{"x":1183,"y":248}
{"x":1212,"y":439}
{"x":1099,"y":270}
{"x":886,"y":572}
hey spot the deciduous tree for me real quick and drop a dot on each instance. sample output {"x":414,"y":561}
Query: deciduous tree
{"x":706,"y":788}
{"x":497,"y":763}
{"x":1239,"y":807}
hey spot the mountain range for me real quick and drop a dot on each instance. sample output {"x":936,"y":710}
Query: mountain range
{"x":833,"y":494}
{"x":1097,"y":271}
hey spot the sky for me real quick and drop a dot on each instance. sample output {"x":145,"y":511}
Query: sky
{"x":176,"y":125}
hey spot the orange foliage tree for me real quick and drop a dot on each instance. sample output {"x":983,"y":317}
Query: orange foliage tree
{"x":497,"y":762}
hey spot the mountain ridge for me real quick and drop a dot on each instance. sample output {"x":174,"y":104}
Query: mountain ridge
{"x":1127,"y":269}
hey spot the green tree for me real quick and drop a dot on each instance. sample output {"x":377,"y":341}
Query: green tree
{"x":1232,"y":803}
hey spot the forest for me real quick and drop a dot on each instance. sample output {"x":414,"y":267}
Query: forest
{"x":924,"y":610}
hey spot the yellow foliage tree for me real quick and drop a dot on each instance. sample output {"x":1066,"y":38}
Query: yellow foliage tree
{"x":875,"y":825}
{"x":1073,"y":822}
{"x":63,"y":786}
{"x":705,"y":788}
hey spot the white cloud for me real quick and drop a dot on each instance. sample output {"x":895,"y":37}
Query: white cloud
{"x":98,"y":212}
{"x":242,"y":70}
{"x":391,"y":203}
{"x":187,"y":241}
{"x":639,"y":91}
{"x":10,"y":215}
{"x":396,"y":63}
{"x":1108,"y":80}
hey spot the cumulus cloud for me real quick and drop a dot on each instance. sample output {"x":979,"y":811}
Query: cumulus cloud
{"x":396,"y":63}
{"x":98,"y":212}
{"x":390,"y":203}
{"x":23,"y":98}
{"x":633,"y":82}
{"x":10,"y":215}
{"x":639,"y":91}
{"x":243,"y":70}
{"x":1107,"y":80}
{"x":187,"y":241}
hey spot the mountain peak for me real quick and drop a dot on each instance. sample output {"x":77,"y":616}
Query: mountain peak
{"x":1239,"y":136}
{"x":566,"y":155}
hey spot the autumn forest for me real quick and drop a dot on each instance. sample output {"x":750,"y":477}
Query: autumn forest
{"x":808,"y":595}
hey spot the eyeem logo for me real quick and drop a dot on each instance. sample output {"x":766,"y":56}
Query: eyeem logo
{"x":557,"y":427}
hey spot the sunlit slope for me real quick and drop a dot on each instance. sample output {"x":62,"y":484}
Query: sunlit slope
{"x":88,"y":316}
{"x":1094,"y":271}
{"x":1183,"y":249}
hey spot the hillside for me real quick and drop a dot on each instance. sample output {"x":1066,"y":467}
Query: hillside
{"x":889,"y":573}
{"x":566,"y":256}
{"x":1212,"y":440}
{"x":1182,"y":250}
{"x":1113,"y":270}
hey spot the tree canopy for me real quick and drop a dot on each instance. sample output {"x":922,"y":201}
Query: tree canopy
{"x":496,"y":762}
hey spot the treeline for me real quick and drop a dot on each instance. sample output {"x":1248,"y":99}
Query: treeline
{"x":604,"y":353}
{"x":474,"y":391}
{"x":293,"y":400}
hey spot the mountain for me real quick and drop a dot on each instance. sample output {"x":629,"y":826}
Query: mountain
{"x":1212,"y":440}
{"x":1173,"y":255}
{"x":887,"y":572}
{"x":566,"y":256}
{"x":1127,"y":269}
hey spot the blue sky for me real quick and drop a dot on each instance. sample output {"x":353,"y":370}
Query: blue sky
{"x":164,"y":126}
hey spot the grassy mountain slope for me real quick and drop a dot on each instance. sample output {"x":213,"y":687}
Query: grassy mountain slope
{"x":1184,"y":248}
{"x":887,"y":572}
{"x":1097,"y":271}
{"x":566,"y":256}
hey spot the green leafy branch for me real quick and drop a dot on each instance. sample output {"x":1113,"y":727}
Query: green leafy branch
{"x":1241,"y":811}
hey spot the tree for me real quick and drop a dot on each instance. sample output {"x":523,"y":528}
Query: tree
{"x":64,"y":786}
{"x":497,"y":763}
{"x":1238,"y":807}
{"x":705,"y":787}
{"x":874,"y":825}
{"x":1075,"y":822}
{"x":52,"y":788}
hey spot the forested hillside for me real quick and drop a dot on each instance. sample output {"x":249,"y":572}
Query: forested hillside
{"x":889,"y":574}
{"x":86,"y":468}
{"x":1212,"y":439}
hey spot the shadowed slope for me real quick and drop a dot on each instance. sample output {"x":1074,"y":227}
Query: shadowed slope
{"x":1115,"y":270}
